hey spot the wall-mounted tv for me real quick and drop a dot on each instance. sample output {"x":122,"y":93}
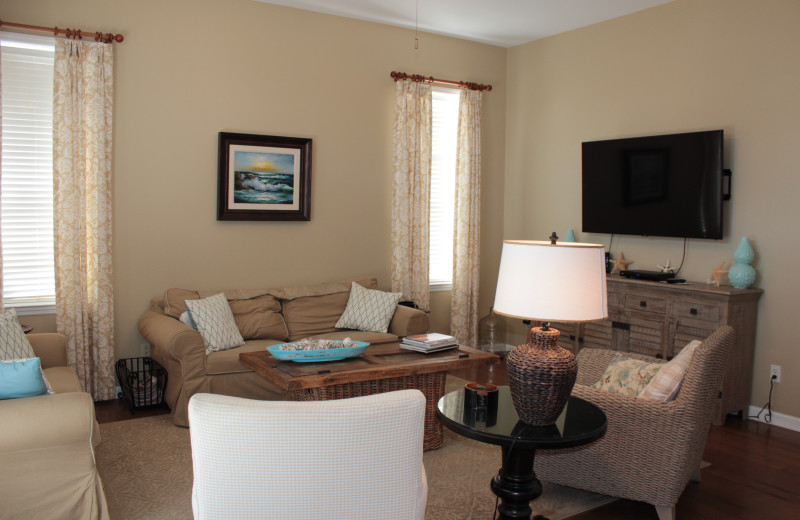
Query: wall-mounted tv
{"x":663,"y":185}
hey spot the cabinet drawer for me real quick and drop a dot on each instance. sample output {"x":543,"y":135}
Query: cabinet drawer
{"x":689,"y":310}
{"x":644,"y":303}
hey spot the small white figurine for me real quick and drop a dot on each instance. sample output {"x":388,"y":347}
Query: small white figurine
{"x":666,"y":268}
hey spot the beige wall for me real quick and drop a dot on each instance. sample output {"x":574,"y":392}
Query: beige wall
{"x":685,"y":66}
{"x":189,"y":69}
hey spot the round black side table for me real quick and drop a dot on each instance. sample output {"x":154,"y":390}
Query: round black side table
{"x":516,"y":484}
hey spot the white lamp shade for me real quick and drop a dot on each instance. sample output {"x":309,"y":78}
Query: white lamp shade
{"x":561,"y":282}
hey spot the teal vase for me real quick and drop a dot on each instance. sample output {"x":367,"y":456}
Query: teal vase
{"x":570,"y":237}
{"x":741,"y":274}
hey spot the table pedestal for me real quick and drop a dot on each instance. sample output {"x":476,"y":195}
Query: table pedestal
{"x":516,"y":484}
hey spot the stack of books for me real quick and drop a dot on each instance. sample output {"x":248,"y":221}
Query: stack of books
{"x":431,"y":342}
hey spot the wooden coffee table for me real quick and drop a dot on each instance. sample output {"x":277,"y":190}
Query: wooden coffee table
{"x":380,"y":368}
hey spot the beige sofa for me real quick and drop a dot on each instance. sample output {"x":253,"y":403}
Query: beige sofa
{"x":264,"y":317}
{"x":47,"y":446}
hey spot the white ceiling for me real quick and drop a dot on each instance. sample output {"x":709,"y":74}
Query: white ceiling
{"x":498,"y":22}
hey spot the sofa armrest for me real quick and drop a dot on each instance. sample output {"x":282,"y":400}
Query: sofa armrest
{"x":46,"y":420}
{"x":408,"y":321}
{"x":182,"y":352}
{"x":51,"y":347}
{"x":171,"y":337}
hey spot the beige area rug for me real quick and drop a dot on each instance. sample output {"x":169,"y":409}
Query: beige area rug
{"x":146,"y":467}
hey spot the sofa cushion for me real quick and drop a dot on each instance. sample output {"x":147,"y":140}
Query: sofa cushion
{"x":627,"y":376}
{"x":313,"y":314}
{"x":368,"y":310}
{"x":13,"y":342}
{"x":175,"y":301}
{"x":227,"y":361}
{"x":668,"y":380}
{"x":21,"y":378}
{"x":215,"y":322}
{"x":259,"y":318}
{"x":313,"y":310}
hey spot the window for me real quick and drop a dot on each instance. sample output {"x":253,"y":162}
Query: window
{"x":26,"y":208}
{"x":443,"y":178}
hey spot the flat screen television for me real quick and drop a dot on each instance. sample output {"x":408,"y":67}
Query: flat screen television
{"x":663,"y":185}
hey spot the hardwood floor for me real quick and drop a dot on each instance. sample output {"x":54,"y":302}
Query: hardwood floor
{"x":754,"y":472}
{"x":119,"y":410}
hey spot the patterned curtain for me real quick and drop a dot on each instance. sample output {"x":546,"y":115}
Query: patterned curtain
{"x":82,"y":119}
{"x":1,"y":176}
{"x":411,"y":191}
{"x":467,"y":228}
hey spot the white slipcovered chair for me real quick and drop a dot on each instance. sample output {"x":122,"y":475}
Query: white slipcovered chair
{"x":347,"y":459}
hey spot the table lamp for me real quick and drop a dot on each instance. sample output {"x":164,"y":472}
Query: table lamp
{"x":547,"y":281}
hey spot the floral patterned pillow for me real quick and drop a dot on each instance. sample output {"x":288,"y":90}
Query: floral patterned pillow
{"x":627,"y":376}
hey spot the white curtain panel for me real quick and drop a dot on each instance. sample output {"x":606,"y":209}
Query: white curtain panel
{"x":467,"y":228}
{"x":411,"y":169}
{"x":82,"y":123}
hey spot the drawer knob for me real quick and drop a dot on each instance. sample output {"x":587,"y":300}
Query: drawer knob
{"x":693,"y":312}
{"x":643,"y":304}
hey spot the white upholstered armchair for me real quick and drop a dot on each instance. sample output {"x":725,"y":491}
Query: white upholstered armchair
{"x":347,"y":459}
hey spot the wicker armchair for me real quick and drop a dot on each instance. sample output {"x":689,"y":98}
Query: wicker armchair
{"x":651,"y":449}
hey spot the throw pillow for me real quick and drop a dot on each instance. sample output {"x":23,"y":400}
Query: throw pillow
{"x":13,"y":342}
{"x":665,"y":385}
{"x":21,"y":378}
{"x":627,"y":376}
{"x":215,"y":322}
{"x":187,"y":320}
{"x":368,"y":310}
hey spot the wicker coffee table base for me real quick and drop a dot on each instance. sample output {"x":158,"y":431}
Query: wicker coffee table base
{"x":431,"y":385}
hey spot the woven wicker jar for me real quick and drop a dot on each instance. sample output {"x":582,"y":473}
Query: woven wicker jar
{"x":541,"y":375}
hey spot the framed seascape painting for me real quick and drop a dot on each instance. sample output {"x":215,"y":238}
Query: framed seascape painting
{"x":264,"y":177}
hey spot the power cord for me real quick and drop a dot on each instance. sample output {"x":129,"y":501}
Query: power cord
{"x":684,"y":257}
{"x":768,"y":406}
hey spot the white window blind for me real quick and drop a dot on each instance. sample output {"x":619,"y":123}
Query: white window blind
{"x":443,"y":174}
{"x":26,"y":207}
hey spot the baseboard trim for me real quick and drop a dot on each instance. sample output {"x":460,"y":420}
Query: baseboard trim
{"x":778,"y":419}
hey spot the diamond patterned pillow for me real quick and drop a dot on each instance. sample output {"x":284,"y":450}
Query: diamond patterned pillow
{"x":214,"y":320}
{"x":368,"y":310}
{"x":13,"y":342}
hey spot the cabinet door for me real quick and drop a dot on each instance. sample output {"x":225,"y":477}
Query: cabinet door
{"x":644,"y":337}
{"x":569,"y":335}
{"x":597,"y":334}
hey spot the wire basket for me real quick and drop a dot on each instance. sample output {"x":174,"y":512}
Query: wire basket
{"x":142,"y":381}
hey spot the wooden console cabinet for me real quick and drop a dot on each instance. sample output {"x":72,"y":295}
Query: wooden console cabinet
{"x":659,"y":319}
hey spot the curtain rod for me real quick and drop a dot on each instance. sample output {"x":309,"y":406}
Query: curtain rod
{"x":69,"y":33}
{"x":416,"y":77}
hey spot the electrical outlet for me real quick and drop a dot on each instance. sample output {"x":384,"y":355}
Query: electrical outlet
{"x":145,"y":349}
{"x":775,"y":371}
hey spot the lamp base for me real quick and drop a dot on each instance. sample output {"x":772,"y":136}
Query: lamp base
{"x":541,"y":376}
